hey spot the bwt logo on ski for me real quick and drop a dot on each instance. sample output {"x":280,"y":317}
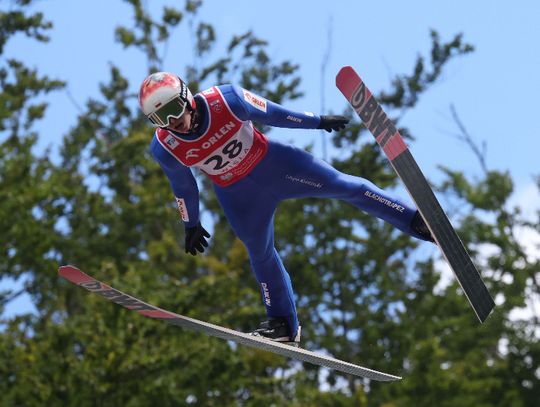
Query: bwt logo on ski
{"x":116,"y":296}
{"x":372,"y":114}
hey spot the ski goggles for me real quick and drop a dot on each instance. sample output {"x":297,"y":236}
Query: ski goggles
{"x":174,"y":108}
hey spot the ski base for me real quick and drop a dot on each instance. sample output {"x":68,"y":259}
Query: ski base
{"x":76,"y":276}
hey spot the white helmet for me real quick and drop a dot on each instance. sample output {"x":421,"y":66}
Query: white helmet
{"x":163,"y":95}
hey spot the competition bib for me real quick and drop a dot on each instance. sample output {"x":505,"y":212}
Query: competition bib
{"x":227,"y":151}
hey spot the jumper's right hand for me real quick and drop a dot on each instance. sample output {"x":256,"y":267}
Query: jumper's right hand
{"x":196,"y":239}
{"x":330,"y":123}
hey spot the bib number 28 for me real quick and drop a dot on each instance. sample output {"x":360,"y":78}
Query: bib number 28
{"x":231,"y":150}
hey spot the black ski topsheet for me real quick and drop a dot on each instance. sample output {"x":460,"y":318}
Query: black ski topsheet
{"x":393,"y":145}
{"x":79,"y":278}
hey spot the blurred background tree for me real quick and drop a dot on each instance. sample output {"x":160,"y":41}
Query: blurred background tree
{"x":364,"y":293}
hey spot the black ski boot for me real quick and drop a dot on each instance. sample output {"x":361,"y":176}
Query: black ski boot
{"x":419,"y":226}
{"x":276,"y":329}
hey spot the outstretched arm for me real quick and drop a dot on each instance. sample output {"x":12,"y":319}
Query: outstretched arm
{"x":249,"y":106}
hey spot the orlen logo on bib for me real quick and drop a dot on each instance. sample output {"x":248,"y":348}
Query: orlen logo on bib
{"x":254,"y":100}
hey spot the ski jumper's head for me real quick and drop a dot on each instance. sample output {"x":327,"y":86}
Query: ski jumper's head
{"x":167,"y":101}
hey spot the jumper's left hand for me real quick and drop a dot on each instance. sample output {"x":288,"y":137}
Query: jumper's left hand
{"x":196,"y":239}
{"x":330,"y":123}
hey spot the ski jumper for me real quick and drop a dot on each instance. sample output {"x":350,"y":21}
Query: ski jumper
{"x":251,"y":175}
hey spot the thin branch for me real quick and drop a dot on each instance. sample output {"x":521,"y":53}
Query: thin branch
{"x":324,"y":63}
{"x":73,"y":101}
{"x":12,"y":296}
{"x":480,"y":153}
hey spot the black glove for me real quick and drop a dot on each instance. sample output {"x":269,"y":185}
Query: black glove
{"x":196,"y":239}
{"x":335,"y":123}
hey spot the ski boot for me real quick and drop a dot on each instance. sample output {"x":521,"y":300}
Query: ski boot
{"x":276,"y":329}
{"x":419,"y":227}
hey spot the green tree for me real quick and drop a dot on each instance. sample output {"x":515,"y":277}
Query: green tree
{"x":363,"y":294}
{"x":112,"y":210}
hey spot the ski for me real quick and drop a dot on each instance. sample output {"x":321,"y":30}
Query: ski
{"x":77,"y":277}
{"x":389,"y":139}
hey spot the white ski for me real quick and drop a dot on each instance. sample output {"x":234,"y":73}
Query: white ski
{"x":79,"y":278}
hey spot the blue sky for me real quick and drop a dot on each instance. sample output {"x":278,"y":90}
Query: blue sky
{"x":495,"y":89}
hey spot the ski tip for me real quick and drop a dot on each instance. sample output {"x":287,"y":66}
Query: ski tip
{"x":73,"y":274}
{"x":347,"y":81}
{"x":62,"y":270}
{"x":347,"y":70}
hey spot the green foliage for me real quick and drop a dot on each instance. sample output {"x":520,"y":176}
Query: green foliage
{"x":408,"y":88}
{"x":13,"y":22}
{"x":364,"y":295}
{"x":149,"y":33}
{"x":467,"y":364}
{"x":20,"y":85}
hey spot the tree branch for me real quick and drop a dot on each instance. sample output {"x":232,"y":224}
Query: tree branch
{"x":9,"y":298}
{"x":480,"y":153}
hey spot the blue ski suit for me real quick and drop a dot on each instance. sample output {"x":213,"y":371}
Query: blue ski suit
{"x":252,"y":174}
